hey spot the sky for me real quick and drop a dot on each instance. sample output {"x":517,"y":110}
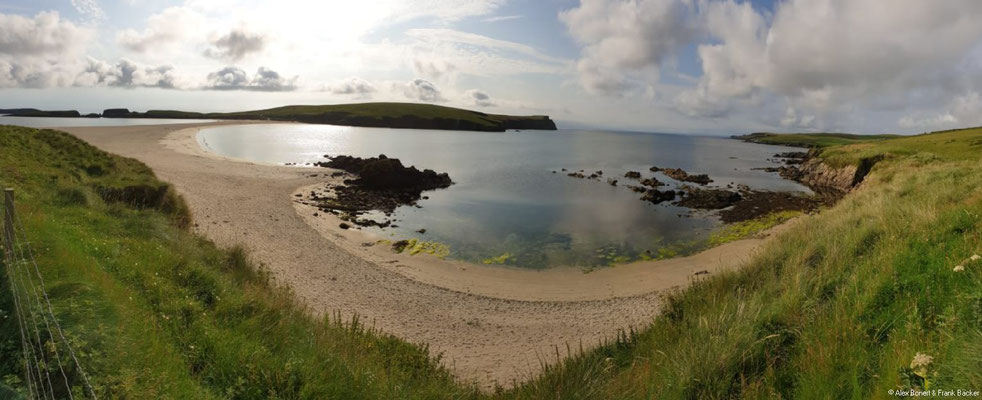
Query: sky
{"x":683,"y":66}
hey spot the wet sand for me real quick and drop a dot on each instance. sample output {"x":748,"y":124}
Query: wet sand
{"x":494,"y":324}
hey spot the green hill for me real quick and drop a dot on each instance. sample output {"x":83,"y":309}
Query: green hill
{"x":388,"y":115}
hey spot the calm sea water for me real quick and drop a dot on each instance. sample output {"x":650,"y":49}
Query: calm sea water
{"x":507,"y":200}
{"x":44,"y":122}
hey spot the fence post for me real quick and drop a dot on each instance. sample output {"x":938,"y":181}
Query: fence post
{"x":8,"y":221}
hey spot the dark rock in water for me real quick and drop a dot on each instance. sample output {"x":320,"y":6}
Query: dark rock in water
{"x":599,"y":172}
{"x":633,"y":175}
{"x":756,"y":204}
{"x":682,"y":176}
{"x":576,"y":175}
{"x":792,"y":154}
{"x":388,"y":173}
{"x":422,"y":231}
{"x":92,"y":115}
{"x":658,"y":196}
{"x":652,"y":182}
{"x":637,"y":189}
{"x":709,"y":199}
{"x":382,"y":184}
{"x":593,"y":176}
{"x":344,"y":225}
{"x":612,"y":181}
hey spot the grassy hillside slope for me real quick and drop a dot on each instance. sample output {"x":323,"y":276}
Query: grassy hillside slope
{"x":156,"y":312}
{"x":810,"y":139}
{"x":838,"y":307}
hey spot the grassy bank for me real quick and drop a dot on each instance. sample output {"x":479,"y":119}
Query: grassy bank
{"x":156,"y":312}
{"x":816,"y":140}
{"x":839,"y":306}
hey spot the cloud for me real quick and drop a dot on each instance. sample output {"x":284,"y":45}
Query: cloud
{"x":435,"y":69}
{"x":624,"y":43}
{"x":40,"y":52}
{"x":962,"y":111}
{"x":442,"y":55}
{"x":89,"y":9}
{"x":235,"y":45}
{"x":503,"y":18}
{"x":352,"y":86}
{"x":478,"y":98}
{"x":422,"y":90}
{"x":444,"y":10}
{"x":805,"y":64}
{"x":234,"y":78}
{"x":44,"y":35}
{"x":163,"y":30}
{"x":821,"y":55}
{"x":126,"y":74}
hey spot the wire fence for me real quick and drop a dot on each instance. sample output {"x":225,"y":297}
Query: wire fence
{"x":51,"y":366}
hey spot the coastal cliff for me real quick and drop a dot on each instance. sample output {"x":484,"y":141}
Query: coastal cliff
{"x":815,"y":173}
{"x":811,"y":168}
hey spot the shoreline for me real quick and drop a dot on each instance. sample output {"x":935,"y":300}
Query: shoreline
{"x":493,"y":324}
{"x":554,"y":284}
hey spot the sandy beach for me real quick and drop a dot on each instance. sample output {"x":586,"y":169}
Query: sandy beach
{"x":494,"y":325}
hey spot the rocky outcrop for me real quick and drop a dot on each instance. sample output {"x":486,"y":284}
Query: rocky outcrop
{"x":388,"y":174}
{"x":683,"y":176}
{"x":709,"y":199}
{"x":819,"y":175}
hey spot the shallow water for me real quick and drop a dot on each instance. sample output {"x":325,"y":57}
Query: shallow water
{"x":47,"y":122}
{"x":507,"y":200}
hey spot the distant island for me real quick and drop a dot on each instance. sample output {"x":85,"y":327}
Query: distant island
{"x":379,"y":115}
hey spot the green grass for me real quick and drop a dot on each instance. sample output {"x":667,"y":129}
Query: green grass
{"x":157,"y":312}
{"x":811,"y":139}
{"x":836,"y":307}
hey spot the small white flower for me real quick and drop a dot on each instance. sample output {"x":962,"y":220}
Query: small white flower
{"x":975,"y":257}
{"x":921,"y":360}
{"x":959,"y":268}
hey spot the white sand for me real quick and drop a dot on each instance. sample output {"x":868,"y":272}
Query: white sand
{"x":493,"y":324}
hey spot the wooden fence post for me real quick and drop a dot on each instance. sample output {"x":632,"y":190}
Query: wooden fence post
{"x":8,"y":221}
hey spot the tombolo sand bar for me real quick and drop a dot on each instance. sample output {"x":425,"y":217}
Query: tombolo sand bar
{"x":493,"y":324}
